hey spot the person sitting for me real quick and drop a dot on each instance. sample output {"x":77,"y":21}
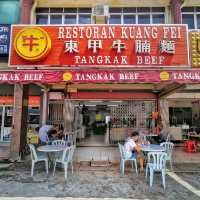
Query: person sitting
{"x":52,"y":134}
{"x":163,"y":135}
{"x":133,"y":149}
{"x":44,"y":135}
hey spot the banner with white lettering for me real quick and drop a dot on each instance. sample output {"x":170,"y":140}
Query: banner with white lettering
{"x":100,"y":45}
{"x":99,"y":76}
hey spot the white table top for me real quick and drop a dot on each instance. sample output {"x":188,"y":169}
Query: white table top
{"x":151,"y":135}
{"x":152,"y":147}
{"x":51,"y":148}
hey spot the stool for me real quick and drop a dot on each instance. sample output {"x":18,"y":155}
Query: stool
{"x":190,"y":146}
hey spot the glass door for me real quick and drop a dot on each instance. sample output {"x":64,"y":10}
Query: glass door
{"x":8,"y":114}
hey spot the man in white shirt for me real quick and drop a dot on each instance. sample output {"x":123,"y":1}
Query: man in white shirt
{"x":133,"y":150}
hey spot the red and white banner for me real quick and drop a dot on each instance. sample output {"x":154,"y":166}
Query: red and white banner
{"x":99,"y":45}
{"x":30,"y":76}
{"x":99,"y":76}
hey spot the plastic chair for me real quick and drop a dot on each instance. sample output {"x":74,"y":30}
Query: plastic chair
{"x":123,"y":159}
{"x":142,"y":137}
{"x":168,"y":138}
{"x":156,"y":162}
{"x":168,"y":149}
{"x":71,"y":137}
{"x":37,"y":157}
{"x":65,"y":159}
{"x":59,"y":143}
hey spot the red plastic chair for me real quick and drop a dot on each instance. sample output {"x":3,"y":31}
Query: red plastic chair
{"x":190,"y":146}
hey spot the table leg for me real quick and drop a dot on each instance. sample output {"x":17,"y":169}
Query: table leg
{"x":51,"y":157}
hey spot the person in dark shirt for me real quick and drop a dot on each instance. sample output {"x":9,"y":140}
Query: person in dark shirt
{"x":52,"y":134}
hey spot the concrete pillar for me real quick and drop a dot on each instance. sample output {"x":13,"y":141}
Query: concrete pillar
{"x":20,"y":115}
{"x":26,"y":6}
{"x":44,"y":107}
{"x":164,"y":112}
{"x":176,"y":11}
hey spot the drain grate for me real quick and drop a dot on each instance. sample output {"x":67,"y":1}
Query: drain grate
{"x":101,"y":163}
{"x":96,"y":166}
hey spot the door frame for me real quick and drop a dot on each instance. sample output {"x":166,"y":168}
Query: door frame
{"x":3,"y":121}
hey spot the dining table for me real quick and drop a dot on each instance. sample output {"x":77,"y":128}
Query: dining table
{"x":52,"y":150}
{"x":152,"y":148}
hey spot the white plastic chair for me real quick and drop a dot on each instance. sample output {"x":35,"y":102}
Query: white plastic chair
{"x":123,"y":159}
{"x":168,"y":149}
{"x":37,"y":157}
{"x":71,"y":137}
{"x":142,"y":137}
{"x":65,"y":159}
{"x":59,"y":143}
{"x":156,"y":162}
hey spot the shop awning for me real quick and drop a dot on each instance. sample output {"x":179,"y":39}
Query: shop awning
{"x":100,"y":76}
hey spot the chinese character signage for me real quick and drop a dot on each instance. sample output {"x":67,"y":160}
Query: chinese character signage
{"x":100,"y":45}
{"x":100,"y":76}
{"x":195,"y":48}
{"x":4,"y":39}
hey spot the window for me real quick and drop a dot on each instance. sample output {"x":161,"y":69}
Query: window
{"x":158,"y":19}
{"x":63,"y":16}
{"x":191,"y":16}
{"x":84,"y":19}
{"x":70,"y":19}
{"x":129,"y":19}
{"x":198,"y":21}
{"x":33,"y":115}
{"x":115,"y":19}
{"x":56,"y":19}
{"x":129,"y":15}
{"x":180,"y":115}
{"x":143,"y":19}
{"x":42,"y":19}
{"x":143,"y":15}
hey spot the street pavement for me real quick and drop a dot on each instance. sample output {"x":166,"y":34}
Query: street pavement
{"x":98,"y":183}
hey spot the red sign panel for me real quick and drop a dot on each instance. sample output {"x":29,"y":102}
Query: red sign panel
{"x":8,"y":100}
{"x":31,"y":76}
{"x":100,"y":76}
{"x":99,"y":45}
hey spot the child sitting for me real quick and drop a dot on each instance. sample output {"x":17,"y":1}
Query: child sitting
{"x":133,"y":149}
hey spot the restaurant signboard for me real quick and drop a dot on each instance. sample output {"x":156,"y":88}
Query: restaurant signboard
{"x":100,"y":76}
{"x":195,"y":48}
{"x":99,"y":45}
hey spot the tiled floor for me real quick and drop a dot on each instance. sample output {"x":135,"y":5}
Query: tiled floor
{"x":93,"y":140}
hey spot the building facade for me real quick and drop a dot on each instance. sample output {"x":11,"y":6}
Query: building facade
{"x":110,"y":86}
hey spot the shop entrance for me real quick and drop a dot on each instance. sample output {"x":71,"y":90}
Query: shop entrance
{"x":95,"y":126}
{"x":108,"y":122}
